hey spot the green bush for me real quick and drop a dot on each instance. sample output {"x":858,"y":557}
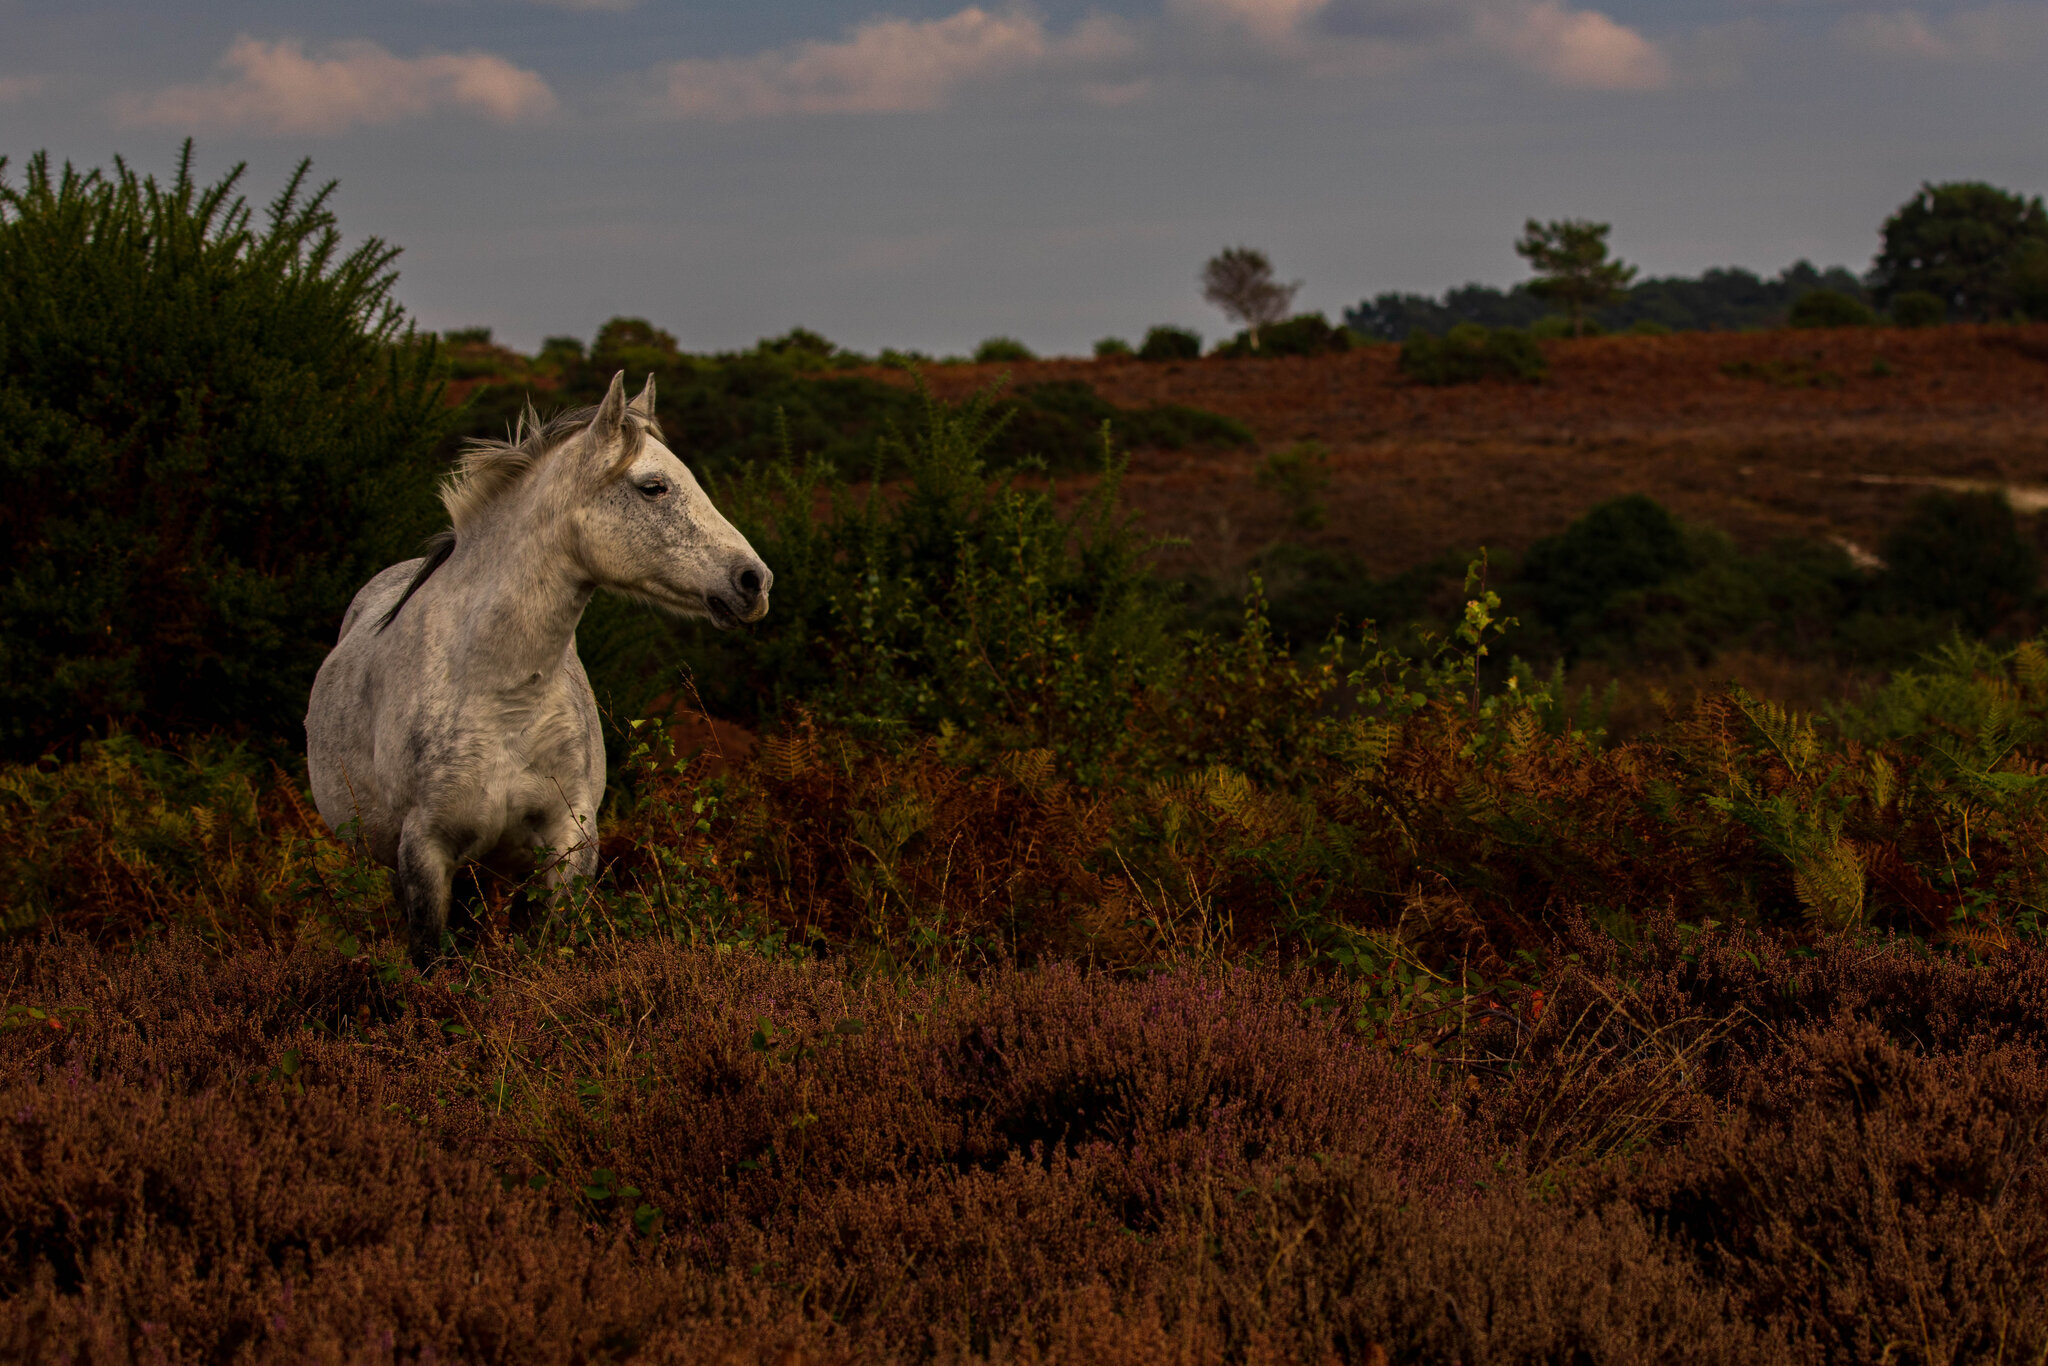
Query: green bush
{"x":1648,"y":327}
{"x":1918,"y":308}
{"x":1960,"y":556}
{"x":1469,"y":353}
{"x":997,"y":349}
{"x":964,"y":603}
{"x":1621,"y":546}
{"x":1558,"y":327}
{"x":1306,"y":334}
{"x":1829,"y":308}
{"x":1171,"y":343}
{"x":214,"y":429}
{"x":1111,"y":347}
{"x":1058,"y":424}
{"x":1299,"y":475}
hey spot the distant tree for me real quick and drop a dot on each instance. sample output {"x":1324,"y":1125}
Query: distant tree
{"x":1240,"y":282}
{"x":1965,"y":242}
{"x":1570,"y":260}
{"x":635,"y":345}
{"x":1109,"y":348}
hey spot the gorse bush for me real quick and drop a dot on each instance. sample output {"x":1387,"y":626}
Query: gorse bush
{"x":214,"y":428}
{"x":1170,"y":343}
{"x":954,"y":601}
{"x":1918,"y":308}
{"x":1002,"y":349}
{"x":1829,"y":308}
{"x":1960,"y":556}
{"x":1469,"y":353}
{"x":1305,"y":334}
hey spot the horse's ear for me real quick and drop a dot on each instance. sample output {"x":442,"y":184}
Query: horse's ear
{"x":644,"y":405}
{"x":611,"y":414}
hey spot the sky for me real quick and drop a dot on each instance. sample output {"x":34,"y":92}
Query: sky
{"x":924,"y":174}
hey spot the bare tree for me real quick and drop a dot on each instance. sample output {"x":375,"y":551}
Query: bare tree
{"x":1240,"y":282}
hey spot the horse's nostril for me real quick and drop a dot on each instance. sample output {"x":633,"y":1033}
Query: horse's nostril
{"x":750,"y":581}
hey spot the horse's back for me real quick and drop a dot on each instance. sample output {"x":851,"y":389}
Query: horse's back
{"x":376,"y":597}
{"x":341,"y":717}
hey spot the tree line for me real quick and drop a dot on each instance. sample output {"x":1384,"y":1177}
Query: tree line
{"x":1962,"y":250}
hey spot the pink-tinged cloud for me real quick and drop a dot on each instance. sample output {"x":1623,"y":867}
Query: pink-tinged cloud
{"x":15,"y":89}
{"x":882,"y":66}
{"x":1583,"y":49}
{"x":278,"y":88}
{"x":1271,"y":21}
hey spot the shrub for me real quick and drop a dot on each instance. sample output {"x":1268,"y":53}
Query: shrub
{"x":1648,"y":327}
{"x":1058,"y":424}
{"x":1002,"y":349}
{"x":1305,"y":334}
{"x":1558,"y":326}
{"x":1819,"y":308}
{"x":1171,"y":343}
{"x":1621,"y":546}
{"x":1959,"y":555}
{"x":1469,"y":353}
{"x":964,"y":602}
{"x":1918,"y":308}
{"x":1111,"y":347}
{"x":1299,"y":475}
{"x":214,"y":431}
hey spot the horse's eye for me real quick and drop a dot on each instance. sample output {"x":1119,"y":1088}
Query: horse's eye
{"x":654,"y":488}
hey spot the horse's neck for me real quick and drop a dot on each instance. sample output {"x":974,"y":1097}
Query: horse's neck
{"x":519,"y":601}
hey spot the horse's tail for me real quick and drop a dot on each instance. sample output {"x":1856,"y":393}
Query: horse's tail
{"x":438,"y":548}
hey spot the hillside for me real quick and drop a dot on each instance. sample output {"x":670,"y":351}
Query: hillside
{"x":1762,"y":434}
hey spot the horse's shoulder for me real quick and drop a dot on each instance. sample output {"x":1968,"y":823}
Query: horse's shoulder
{"x":378,"y":594}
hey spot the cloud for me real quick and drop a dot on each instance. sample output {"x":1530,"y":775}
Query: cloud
{"x":1583,"y":49}
{"x":882,"y":66}
{"x":15,"y":89}
{"x":1269,"y":21}
{"x":1580,"y":48}
{"x":1998,"y":33}
{"x":277,"y":88}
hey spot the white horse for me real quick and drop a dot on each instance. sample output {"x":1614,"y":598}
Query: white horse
{"x":452,"y":721}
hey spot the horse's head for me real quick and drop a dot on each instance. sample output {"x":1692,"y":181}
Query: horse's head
{"x":649,"y":529}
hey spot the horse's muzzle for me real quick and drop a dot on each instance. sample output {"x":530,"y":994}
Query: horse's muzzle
{"x":747,"y":596}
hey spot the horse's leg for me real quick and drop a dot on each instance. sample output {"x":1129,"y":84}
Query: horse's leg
{"x":426,"y":870}
{"x":467,"y":901}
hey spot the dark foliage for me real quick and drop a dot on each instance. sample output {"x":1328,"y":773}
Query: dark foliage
{"x":1058,"y":425}
{"x":1960,"y":555}
{"x":213,"y":429}
{"x":1829,"y":308}
{"x":1620,"y":547}
{"x":1305,"y":334}
{"x":1963,"y":242}
{"x":1918,"y":308}
{"x":1469,"y":353}
{"x":1723,"y":299}
{"x":1170,"y":343}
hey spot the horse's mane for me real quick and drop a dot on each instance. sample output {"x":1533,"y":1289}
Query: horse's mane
{"x":486,"y":469}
